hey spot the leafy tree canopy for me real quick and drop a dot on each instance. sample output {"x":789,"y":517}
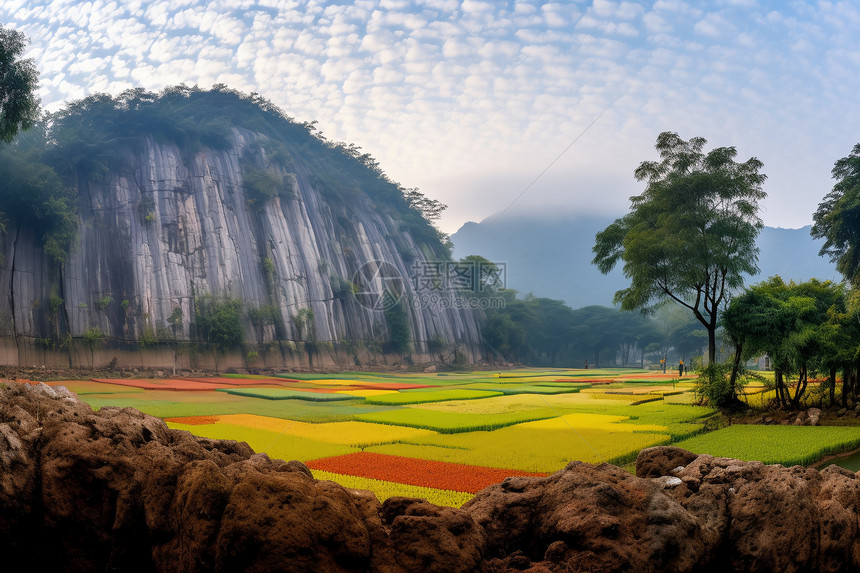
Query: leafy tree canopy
{"x":837,"y":219}
{"x":790,"y":322}
{"x":34,"y":196}
{"x":219,"y":322}
{"x":690,"y":236}
{"x":19,"y":107}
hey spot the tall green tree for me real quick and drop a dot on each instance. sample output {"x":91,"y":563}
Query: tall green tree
{"x":790,"y":322}
{"x":690,"y":236}
{"x":837,"y":219}
{"x":19,"y":107}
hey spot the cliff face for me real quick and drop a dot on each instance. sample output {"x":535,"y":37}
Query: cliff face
{"x":119,"y":491}
{"x":170,"y":226}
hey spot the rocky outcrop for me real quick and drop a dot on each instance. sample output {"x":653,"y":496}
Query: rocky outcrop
{"x":171,"y":225}
{"x":118,"y":490}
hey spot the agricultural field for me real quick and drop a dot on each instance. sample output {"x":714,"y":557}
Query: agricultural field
{"x":445,"y":436}
{"x":786,"y":445}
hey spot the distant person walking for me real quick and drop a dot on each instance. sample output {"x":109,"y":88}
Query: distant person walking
{"x":681,"y":368}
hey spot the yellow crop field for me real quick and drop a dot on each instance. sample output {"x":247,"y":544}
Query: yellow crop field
{"x":600,"y":422}
{"x":562,"y":403}
{"x":358,"y":434}
{"x":528,"y":448}
{"x":366,"y":393}
{"x":279,"y":445}
{"x":385,"y":489}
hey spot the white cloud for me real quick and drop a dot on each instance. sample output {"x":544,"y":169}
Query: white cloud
{"x":623,"y":10}
{"x":444,"y":91}
{"x":714,"y":26}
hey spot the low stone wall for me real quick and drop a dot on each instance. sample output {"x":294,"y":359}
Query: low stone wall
{"x":28,"y":352}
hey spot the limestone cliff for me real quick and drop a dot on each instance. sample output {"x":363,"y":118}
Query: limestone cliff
{"x":164,"y":225}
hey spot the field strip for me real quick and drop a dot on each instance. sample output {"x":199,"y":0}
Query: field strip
{"x":412,"y":471}
{"x":385,"y":489}
{"x":314,"y":395}
{"x":162,"y":384}
{"x":787,"y":445}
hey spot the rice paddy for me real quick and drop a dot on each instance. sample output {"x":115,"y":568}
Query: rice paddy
{"x":787,"y":445}
{"x":444,"y":436}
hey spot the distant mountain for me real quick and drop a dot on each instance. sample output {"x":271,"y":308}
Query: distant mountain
{"x":551,"y":256}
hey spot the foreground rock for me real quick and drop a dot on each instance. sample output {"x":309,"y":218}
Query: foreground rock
{"x":118,"y":490}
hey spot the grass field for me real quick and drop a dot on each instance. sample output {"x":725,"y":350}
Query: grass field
{"x":443,"y":436}
{"x":787,"y":445}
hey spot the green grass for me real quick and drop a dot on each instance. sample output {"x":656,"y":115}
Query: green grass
{"x":285,"y":394}
{"x":787,"y":445}
{"x":169,"y":404}
{"x":425,"y":395}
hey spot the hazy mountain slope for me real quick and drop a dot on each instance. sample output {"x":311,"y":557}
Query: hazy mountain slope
{"x":551,"y":256}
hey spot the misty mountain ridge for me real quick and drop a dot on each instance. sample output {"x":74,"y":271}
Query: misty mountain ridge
{"x":550,"y":255}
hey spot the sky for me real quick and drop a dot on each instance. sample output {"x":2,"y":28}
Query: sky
{"x":496,"y":108}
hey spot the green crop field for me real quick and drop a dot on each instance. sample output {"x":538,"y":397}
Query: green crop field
{"x":422,"y":396}
{"x":787,"y":445}
{"x":454,"y":422}
{"x":286,"y":394}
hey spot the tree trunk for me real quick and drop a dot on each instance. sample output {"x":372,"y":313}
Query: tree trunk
{"x":736,"y":365}
{"x":800,"y":389}
{"x":712,"y":343}
{"x":780,"y":388}
{"x":832,"y":386}
{"x":851,"y":388}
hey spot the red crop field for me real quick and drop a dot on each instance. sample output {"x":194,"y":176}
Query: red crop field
{"x":239,"y":381}
{"x":162,"y":384}
{"x":412,"y":471}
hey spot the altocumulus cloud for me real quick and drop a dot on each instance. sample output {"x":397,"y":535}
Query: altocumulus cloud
{"x":470,"y":100}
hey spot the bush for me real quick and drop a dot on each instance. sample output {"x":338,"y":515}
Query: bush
{"x":399,"y":332}
{"x":713,"y":385}
{"x":219,"y":322}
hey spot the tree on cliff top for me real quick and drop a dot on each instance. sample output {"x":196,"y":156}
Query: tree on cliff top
{"x":690,"y":236}
{"x":19,"y":108}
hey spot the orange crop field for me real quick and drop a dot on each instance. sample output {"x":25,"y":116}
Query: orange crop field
{"x":413,"y":471}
